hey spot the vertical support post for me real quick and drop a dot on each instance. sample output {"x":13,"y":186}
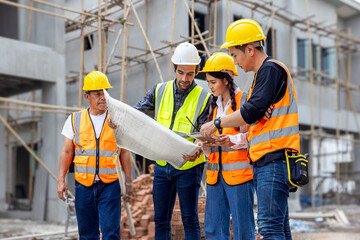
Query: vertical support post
{"x":215,"y":24}
{"x":28,"y":36}
{"x":146,"y":48}
{"x":228,"y":11}
{"x":123,"y":54}
{"x":311,"y":98}
{"x":32,"y":145}
{"x":81,"y":70}
{"x":99,"y":37}
{"x":8,"y":160}
{"x":192,"y":22}
{"x":172,"y":39}
{"x":337,"y":108}
{"x":127,"y":63}
{"x":104,"y":44}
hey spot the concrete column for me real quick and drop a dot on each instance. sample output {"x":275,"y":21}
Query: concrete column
{"x":52,"y":145}
{"x":3,"y":170}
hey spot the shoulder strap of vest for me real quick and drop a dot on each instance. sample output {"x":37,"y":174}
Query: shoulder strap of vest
{"x":76,"y":125}
{"x":159,"y":93}
{"x":290,"y":82}
{"x":202,"y":101}
{"x":243,"y":98}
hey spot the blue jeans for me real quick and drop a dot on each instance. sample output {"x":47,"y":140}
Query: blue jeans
{"x":167,"y":182}
{"x":272,"y":191}
{"x":99,"y":203}
{"x":223,"y":199}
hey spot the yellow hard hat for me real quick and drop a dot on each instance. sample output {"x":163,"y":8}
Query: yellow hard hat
{"x":241,"y":32}
{"x":96,"y":80}
{"x":220,"y":61}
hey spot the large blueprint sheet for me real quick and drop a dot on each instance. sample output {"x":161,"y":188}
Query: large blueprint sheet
{"x":142,"y":135}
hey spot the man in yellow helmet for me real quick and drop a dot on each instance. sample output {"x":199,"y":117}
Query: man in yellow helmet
{"x":172,"y":102}
{"x":90,"y":142}
{"x":268,"y":141}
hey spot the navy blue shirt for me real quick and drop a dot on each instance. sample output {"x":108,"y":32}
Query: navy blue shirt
{"x":270,"y":77}
{"x":269,"y":88}
{"x":147,"y":104}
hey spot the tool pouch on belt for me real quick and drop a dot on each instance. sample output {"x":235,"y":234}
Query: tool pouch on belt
{"x":297,"y":166}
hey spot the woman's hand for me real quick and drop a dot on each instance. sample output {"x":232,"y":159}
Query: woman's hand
{"x":224,"y":141}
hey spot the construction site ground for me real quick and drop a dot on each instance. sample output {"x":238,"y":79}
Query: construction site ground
{"x":326,"y":222}
{"x":11,"y":228}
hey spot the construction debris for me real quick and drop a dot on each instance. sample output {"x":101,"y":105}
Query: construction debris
{"x":142,"y":209}
{"x":333,"y":218}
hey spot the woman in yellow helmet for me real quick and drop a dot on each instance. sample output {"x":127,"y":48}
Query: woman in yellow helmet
{"x":230,"y":188}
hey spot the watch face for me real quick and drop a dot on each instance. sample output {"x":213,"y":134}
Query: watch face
{"x":217,"y":122}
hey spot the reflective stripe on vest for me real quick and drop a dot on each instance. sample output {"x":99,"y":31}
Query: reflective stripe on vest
{"x":192,"y":108}
{"x":235,"y":166}
{"x":229,"y":166}
{"x":266,"y":137}
{"x":103,"y":153}
{"x":93,"y":170}
{"x":216,"y":149}
{"x":85,"y":151}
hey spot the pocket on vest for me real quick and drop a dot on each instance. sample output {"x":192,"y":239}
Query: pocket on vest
{"x":81,"y":169}
{"x":81,"y":160}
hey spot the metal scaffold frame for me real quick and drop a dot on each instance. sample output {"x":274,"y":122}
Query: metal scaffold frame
{"x":101,"y":22}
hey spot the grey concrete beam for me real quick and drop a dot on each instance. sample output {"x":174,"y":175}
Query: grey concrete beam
{"x":28,"y":61}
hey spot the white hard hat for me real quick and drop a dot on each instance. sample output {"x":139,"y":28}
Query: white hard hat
{"x":186,"y":54}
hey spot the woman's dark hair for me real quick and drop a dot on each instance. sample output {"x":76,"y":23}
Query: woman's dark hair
{"x":231,"y":86}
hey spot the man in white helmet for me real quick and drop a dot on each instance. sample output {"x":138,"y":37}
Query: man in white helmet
{"x":172,"y":102}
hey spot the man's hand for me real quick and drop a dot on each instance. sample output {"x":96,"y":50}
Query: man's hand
{"x":111,"y":124}
{"x":192,"y":158}
{"x":206,"y":144}
{"x":208,"y":129}
{"x":129,"y":191}
{"x":224,"y":141}
{"x":61,"y":189}
{"x":268,"y":113}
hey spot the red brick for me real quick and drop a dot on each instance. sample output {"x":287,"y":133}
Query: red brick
{"x":151,"y":229}
{"x":145,"y":220}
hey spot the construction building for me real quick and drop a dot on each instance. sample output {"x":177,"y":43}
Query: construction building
{"x":47,"y":48}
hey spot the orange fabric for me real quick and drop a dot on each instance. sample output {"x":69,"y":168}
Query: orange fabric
{"x":271,"y":134}
{"x":235,"y":176}
{"x":87,"y":141}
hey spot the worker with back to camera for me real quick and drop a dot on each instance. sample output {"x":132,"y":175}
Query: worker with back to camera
{"x":230,"y":187}
{"x":172,"y":102}
{"x":88,"y":137}
{"x":268,"y":140}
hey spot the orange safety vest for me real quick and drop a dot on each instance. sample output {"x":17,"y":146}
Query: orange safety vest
{"x":236,"y":168}
{"x":281,"y":131}
{"x":93,"y":156}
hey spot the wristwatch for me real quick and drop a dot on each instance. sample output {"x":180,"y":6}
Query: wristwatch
{"x":217,"y":123}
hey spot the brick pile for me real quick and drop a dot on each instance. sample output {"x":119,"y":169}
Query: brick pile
{"x":142,"y":209}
